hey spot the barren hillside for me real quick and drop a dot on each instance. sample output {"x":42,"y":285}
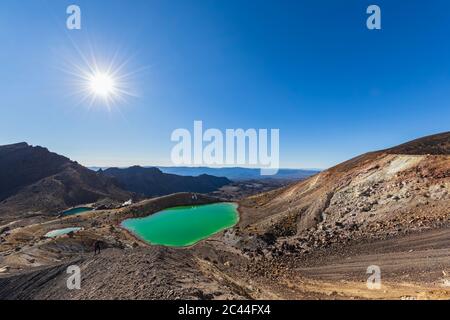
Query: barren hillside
{"x":312,"y":240}
{"x":34,"y":181}
{"x":373,"y":195}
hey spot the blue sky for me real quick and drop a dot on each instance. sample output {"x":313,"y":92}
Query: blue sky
{"x":310,"y":68}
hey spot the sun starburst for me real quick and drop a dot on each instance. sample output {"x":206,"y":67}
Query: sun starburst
{"x":98,"y":84}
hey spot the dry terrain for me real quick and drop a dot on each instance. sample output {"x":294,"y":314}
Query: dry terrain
{"x":313,"y":239}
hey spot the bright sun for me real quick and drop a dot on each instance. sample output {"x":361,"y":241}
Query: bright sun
{"x":102,"y":84}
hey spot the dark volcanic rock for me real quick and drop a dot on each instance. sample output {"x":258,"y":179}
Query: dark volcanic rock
{"x":34,"y":180}
{"x":22,"y":165}
{"x":438,"y":144}
{"x":153,"y":182}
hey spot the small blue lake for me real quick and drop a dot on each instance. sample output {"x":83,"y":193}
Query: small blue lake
{"x":74,"y":211}
{"x":61,"y":232}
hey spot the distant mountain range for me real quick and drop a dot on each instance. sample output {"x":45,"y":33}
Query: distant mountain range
{"x":35,"y":181}
{"x":153,"y":182}
{"x":235,"y":174}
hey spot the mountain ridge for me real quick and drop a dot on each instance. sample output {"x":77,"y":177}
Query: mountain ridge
{"x":312,"y":239}
{"x":378,"y":190}
{"x":436,"y":144}
{"x":153,"y":182}
{"x":34,"y":180}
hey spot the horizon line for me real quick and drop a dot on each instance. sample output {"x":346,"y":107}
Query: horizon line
{"x":197,"y":167}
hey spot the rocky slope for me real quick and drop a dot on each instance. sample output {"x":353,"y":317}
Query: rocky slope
{"x":22,"y":165}
{"x":374,"y":195}
{"x":312,"y":240}
{"x":152,"y":273}
{"x":36,"y":181}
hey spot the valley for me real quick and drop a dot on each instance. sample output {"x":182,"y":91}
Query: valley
{"x":311,"y":239}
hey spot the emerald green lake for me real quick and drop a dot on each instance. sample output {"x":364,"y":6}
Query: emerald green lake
{"x":184,"y":226}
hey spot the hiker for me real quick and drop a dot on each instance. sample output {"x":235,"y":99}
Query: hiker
{"x":97,"y":247}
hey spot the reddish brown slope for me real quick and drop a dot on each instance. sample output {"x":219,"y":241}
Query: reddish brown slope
{"x":402,"y":188}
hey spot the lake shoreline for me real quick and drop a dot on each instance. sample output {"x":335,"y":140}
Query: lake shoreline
{"x":173,"y":211}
